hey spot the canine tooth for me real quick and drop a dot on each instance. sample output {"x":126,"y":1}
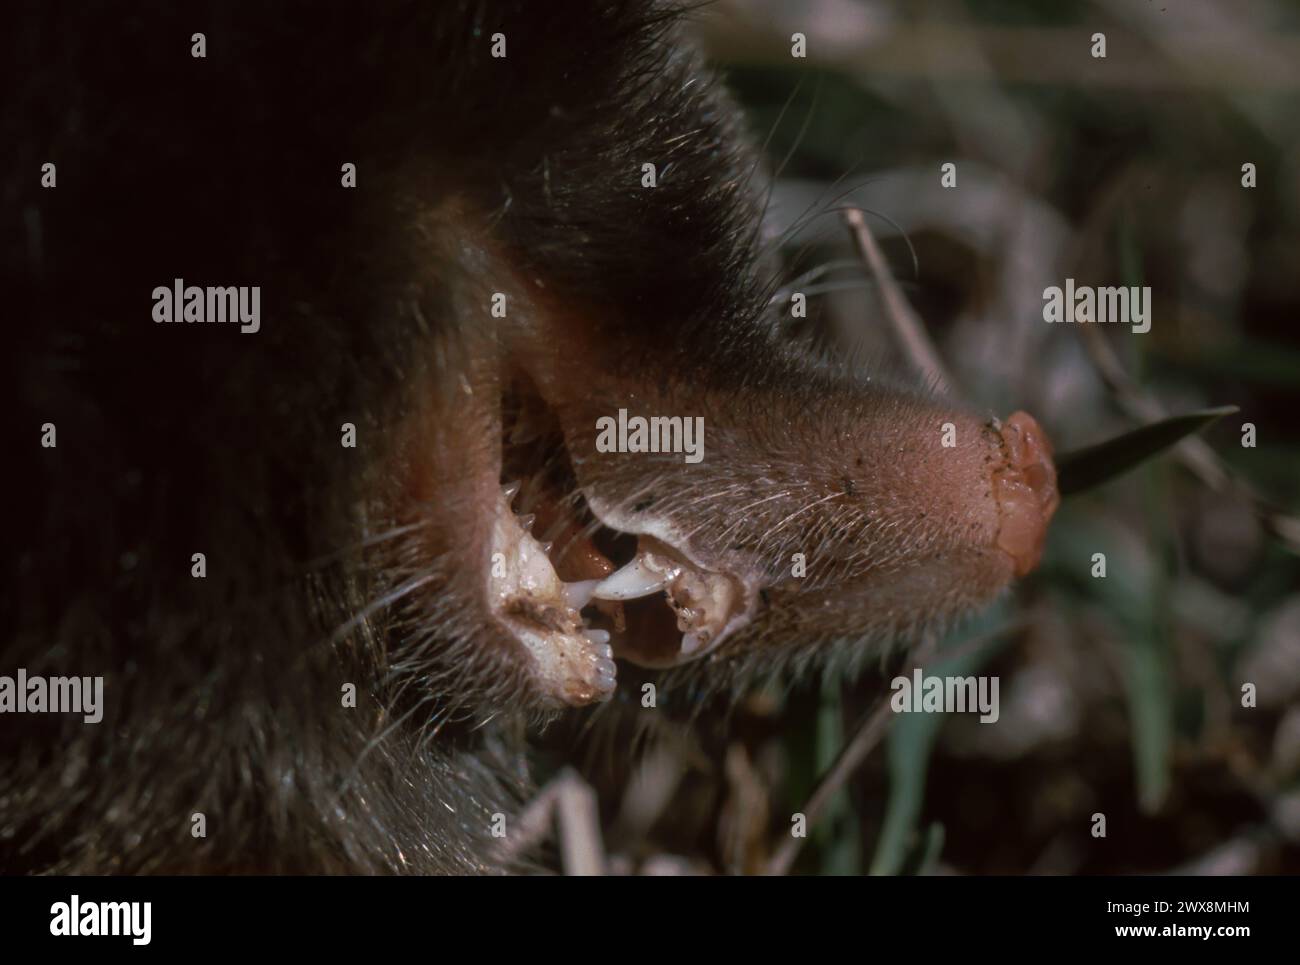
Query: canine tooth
{"x":509,"y":490}
{"x":526,"y":522}
{"x":578,"y":594}
{"x":635,"y":580}
{"x":692,"y":641}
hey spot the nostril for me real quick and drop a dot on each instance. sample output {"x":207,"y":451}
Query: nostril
{"x":1025,"y":489}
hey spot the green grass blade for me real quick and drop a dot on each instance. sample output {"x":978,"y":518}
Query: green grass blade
{"x":1084,"y":468}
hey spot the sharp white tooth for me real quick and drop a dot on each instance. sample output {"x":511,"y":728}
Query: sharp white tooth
{"x":510,"y":489}
{"x":692,"y":641}
{"x":526,"y":522}
{"x":598,"y":649}
{"x":635,"y":580}
{"x":578,"y":594}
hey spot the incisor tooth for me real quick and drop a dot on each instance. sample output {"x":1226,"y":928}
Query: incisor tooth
{"x":578,"y":594}
{"x":637,"y":579}
{"x":692,"y":641}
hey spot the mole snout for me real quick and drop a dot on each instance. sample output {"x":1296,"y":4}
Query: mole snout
{"x":1025,"y":490}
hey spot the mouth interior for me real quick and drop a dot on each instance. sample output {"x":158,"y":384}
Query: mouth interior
{"x":657,"y":608}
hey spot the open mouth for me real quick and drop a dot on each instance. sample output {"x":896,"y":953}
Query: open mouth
{"x":578,"y":592}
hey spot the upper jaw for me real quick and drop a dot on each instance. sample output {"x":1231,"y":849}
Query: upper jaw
{"x":708,"y":605}
{"x":709,"y":602}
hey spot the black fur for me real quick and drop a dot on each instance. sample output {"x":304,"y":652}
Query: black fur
{"x":222,"y":695}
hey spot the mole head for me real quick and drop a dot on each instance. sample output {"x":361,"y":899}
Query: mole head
{"x":741,"y":525}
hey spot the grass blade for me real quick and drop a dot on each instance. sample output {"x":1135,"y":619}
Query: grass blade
{"x":1084,"y":468}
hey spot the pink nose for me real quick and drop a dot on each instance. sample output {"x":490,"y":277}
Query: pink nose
{"x":1025,"y":490}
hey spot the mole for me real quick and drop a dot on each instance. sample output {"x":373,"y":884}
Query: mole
{"x":414,"y":548}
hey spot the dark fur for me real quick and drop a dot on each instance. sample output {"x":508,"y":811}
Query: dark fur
{"x":328,"y":565}
{"x":222,"y":695}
